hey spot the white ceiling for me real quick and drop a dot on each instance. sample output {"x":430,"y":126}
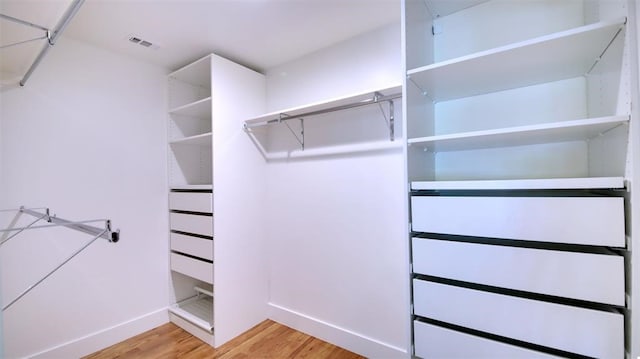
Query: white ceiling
{"x":257,"y":33}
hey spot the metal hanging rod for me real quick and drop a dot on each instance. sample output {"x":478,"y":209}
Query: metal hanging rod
{"x":377,"y":98}
{"x":22,"y":22}
{"x":50,"y":35}
{"x":106,"y":232}
{"x":284,"y":117}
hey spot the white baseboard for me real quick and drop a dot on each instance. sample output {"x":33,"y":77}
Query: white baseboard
{"x":106,"y":337}
{"x":341,"y":337}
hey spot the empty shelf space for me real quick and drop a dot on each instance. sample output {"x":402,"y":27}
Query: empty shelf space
{"x":197,"y":73}
{"x":197,"y":310}
{"x":335,"y":103}
{"x":554,"y":57}
{"x":197,"y":140}
{"x":576,"y":130}
{"x":523,"y":184}
{"x":200,"y":109}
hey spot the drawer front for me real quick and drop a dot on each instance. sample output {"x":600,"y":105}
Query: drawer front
{"x":194,"y":268}
{"x":195,"y":246}
{"x":192,"y":223}
{"x":577,"y":330}
{"x":591,"y":277}
{"x":190,"y":201}
{"x":432,"y":341}
{"x":575,"y":220}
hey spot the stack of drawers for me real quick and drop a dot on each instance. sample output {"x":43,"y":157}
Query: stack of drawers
{"x":521,"y":274}
{"x":191,"y":221}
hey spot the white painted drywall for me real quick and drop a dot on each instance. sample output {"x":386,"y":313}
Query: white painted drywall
{"x":86,"y":137}
{"x":337,"y":224}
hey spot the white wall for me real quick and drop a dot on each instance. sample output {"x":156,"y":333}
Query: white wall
{"x":336,"y":224}
{"x":86,"y":137}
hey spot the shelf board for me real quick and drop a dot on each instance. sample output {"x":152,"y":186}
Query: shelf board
{"x":447,"y":7}
{"x":551,"y":183}
{"x":197,"y":140}
{"x":196,"y":73}
{"x":200,"y":109}
{"x":324,"y":105}
{"x":193,"y":187}
{"x":554,"y":57}
{"x":565,"y":131}
{"x":197,"y":310}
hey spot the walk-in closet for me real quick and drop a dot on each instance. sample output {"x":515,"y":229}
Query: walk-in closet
{"x":384,"y":179}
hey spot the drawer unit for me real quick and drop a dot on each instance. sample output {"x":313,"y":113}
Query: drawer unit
{"x":195,"y":268}
{"x":432,"y":341}
{"x":191,"y":201}
{"x":574,"y":220}
{"x":195,"y":246}
{"x":578,"y":330}
{"x":192,"y":223}
{"x":584,"y":276}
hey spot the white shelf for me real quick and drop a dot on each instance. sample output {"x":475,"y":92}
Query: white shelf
{"x":197,"y":310}
{"x":197,"y":140}
{"x":200,"y":109}
{"x":328,"y":104}
{"x":554,"y":57}
{"x":448,"y":7}
{"x":577,"y":130}
{"x":193,"y":187}
{"x":549,"y":183}
{"x":196,"y":73}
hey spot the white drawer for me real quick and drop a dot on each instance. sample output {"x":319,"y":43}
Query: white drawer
{"x":192,"y":223}
{"x":583,"y":331}
{"x":590,"y":277}
{"x":190,"y":201}
{"x":575,"y":220}
{"x":432,"y":341}
{"x":194,"y":268}
{"x":195,"y":246}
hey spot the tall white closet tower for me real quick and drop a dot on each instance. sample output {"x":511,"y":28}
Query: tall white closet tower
{"x":218,"y":266}
{"x":519,"y":150}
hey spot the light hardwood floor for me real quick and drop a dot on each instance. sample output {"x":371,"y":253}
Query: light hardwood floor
{"x":266,"y":340}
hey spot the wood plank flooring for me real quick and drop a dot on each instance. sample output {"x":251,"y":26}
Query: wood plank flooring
{"x":266,"y":340}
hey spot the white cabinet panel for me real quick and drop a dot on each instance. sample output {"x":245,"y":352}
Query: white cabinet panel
{"x":585,"y":276}
{"x":194,"y":268}
{"x":195,"y":246}
{"x":432,"y":341}
{"x":578,"y":330}
{"x":190,"y":201}
{"x":574,"y":220}
{"x":191,"y":223}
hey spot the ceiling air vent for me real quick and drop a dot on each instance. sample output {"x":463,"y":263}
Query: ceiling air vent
{"x":142,"y":42}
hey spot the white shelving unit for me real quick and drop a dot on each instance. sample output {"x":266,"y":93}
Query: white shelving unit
{"x":566,"y":131}
{"x":199,"y":109}
{"x":377,"y":96}
{"x":191,"y":184}
{"x":197,"y":140}
{"x":554,"y":57}
{"x":211,"y":248}
{"x":365,"y":97}
{"x":513,"y":124}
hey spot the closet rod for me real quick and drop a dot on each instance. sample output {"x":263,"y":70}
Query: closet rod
{"x":106,"y":232}
{"x":52,"y":36}
{"x":377,"y":98}
{"x":22,"y":22}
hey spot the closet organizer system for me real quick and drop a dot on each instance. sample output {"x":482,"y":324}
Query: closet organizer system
{"x":517,"y":118}
{"x":43,"y":214}
{"x":198,"y":123}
